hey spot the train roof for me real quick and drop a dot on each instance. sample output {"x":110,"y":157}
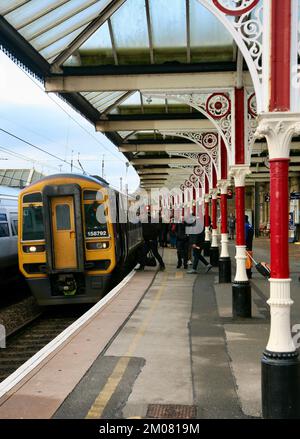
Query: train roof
{"x":94,"y":178}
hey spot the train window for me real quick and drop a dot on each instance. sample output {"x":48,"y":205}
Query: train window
{"x":33,"y":223}
{"x":32,"y":198}
{"x":63,"y":220}
{"x":93,"y":195}
{"x":4,"y":230}
{"x":89,"y":195}
{"x":14,"y":227}
{"x":95,"y":221}
{"x":3,"y":217}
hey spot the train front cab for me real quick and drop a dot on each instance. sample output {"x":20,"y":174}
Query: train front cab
{"x":66,"y":254}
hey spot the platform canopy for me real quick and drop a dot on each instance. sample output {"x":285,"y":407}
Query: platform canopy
{"x":107,"y":58}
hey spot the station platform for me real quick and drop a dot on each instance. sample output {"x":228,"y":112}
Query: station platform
{"x":164,"y":344}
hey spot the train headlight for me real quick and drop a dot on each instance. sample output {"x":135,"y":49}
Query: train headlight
{"x":33,"y":248}
{"x":97,"y":245}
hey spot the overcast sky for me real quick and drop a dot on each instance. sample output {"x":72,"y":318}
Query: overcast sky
{"x":49,"y":123}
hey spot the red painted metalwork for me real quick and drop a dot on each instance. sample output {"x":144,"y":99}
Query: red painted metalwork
{"x":214,"y":176}
{"x":206,"y":215}
{"x":252,"y":110}
{"x":239,"y":127}
{"x":280,"y":55}
{"x":206,"y":185}
{"x":279,"y":220}
{"x":240,"y":215}
{"x":194,"y":201}
{"x":214,"y":213}
{"x":235,"y":10}
{"x":224,"y":161}
{"x":218,"y":105}
{"x":210,"y":140}
{"x":224,"y":228}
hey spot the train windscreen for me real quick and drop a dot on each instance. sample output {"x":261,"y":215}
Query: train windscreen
{"x":33,"y":223}
{"x":95,"y":221}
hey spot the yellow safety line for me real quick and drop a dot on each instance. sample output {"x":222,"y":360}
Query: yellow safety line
{"x":113,"y":381}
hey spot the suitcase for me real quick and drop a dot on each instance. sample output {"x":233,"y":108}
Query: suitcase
{"x":262,"y":267}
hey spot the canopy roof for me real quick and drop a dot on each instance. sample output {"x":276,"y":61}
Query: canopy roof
{"x":19,"y":178}
{"x":127,"y":47}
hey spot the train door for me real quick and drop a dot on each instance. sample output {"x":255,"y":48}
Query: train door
{"x":63,"y":232}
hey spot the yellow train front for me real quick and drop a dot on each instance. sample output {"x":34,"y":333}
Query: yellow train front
{"x":71,"y":238}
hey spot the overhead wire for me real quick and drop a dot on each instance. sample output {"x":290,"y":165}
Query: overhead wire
{"x":71,"y":117}
{"x":26,"y":158}
{"x":37,"y":147}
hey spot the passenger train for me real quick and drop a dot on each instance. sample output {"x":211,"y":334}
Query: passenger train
{"x":69,"y":244}
{"x":8,"y":231}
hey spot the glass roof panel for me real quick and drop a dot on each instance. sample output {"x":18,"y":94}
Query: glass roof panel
{"x":32,"y":11}
{"x":56,"y":16}
{"x":102,"y":101}
{"x":99,"y":40}
{"x":64,"y":29}
{"x":54,"y":49}
{"x":130,"y":25}
{"x":124,"y":134}
{"x":8,"y":6}
{"x":168,"y":23}
{"x":148,"y":101}
{"x":134,"y":99}
{"x":90,"y":94}
{"x":206,"y":29}
{"x":97,"y":49}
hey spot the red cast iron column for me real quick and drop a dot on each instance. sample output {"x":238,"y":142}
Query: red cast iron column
{"x":280,"y":365}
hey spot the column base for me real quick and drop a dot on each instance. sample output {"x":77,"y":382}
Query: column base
{"x":241,"y":299}
{"x":214,"y":256}
{"x":224,"y":270}
{"x":280,"y":385}
{"x":207,"y":245}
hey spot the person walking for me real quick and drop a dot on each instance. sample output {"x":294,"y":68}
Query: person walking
{"x":182,"y":244}
{"x":249,"y":234}
{"x":173,"y":234}
{"x":198,"y":247}
{"x":231,"y":226}
{"x":150,"y":235}
{"x":164,"y":234}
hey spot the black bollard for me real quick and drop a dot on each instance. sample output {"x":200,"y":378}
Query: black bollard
{"x":214,"y":256}
{"x":241,"y":299}
{"x":280,"y":385}
{"x":225,"y":270}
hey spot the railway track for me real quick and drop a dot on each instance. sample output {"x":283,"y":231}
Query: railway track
{"x":30,"y":327}
{"x":24,"y":342}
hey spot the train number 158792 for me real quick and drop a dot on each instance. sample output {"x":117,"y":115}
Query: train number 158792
{"x":96,"y":233}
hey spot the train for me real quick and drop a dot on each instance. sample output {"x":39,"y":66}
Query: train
{"x":72,"y":239}
{"x":8,"y":231}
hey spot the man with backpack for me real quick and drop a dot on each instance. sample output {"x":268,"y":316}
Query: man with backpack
{"x":150,"y":235}
{"x":198,"y":247}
